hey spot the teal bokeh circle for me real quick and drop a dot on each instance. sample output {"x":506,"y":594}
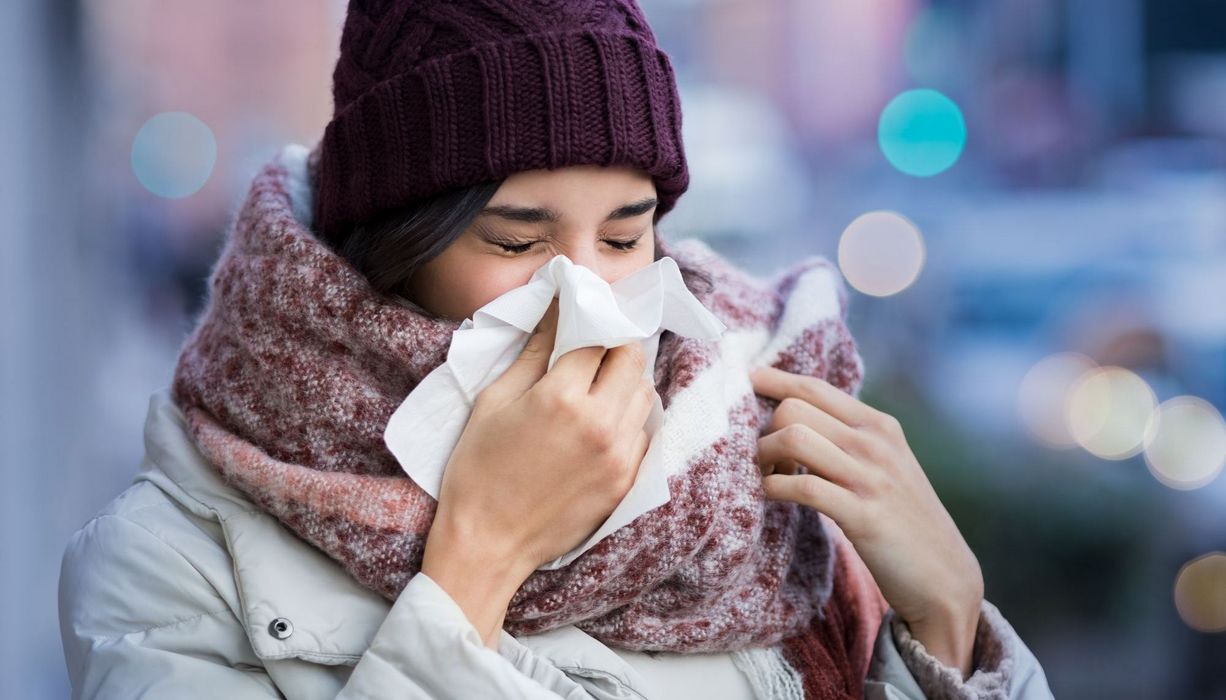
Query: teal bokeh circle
{"x":921,"y":132}
{"x":173,"y":154}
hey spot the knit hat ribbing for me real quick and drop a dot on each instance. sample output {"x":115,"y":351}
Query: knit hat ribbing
{"x":430,"y":95}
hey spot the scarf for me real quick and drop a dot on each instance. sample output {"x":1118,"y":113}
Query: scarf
{"x":296,"y":363}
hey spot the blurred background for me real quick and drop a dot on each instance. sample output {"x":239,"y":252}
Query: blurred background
{"x":1026,"y":197}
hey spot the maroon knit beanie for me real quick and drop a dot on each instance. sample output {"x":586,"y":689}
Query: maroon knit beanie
{"x":432,"y":95}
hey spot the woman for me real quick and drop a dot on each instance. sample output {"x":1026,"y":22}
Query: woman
{"x":272,"y":547}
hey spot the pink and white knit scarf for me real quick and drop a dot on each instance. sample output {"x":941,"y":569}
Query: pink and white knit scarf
{"x":296,"y":364}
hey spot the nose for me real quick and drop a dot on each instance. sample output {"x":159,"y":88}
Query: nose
{"x":588,"y":256}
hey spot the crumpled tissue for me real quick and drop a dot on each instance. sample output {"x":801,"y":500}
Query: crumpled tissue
{"x":424,"y":429}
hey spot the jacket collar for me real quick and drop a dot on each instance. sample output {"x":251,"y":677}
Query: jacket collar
{"x":277,"y":574}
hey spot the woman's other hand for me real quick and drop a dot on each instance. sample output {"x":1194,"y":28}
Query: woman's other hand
{"x":859,"y":470}
{"x":544,"y":459}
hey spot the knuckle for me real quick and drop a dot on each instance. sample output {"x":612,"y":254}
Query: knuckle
{"x":874,"y":483}
{"x":558,"y":402}
{"x":859,"y":442}
{"x":888,"y":423}
{"x":810,"y":384}
{"x":599,"y":436}
{"x":810,"y":488}
{"x":789,"y":410}
{"x":793,"y":437}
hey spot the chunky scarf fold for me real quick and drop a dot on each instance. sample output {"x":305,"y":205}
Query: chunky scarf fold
{"x":295,"y":365}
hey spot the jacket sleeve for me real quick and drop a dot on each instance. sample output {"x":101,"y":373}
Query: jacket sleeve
{"x":428,"y":647}
{"x":138,"y":620}
{"x":1003,"y":667}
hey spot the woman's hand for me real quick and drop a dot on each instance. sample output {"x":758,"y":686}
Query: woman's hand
{"x":828,"y":450}
{"x":544,"y":459}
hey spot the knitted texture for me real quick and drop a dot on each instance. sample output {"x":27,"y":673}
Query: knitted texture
{"x":844,"y":635}
{"x":431,"y":95}
{"x":993,"y":659}
{"x":769,"y":674}
{"x":296,"y":364}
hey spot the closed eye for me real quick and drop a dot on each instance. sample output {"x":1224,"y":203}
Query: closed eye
{"x":524,"y":247}
{"x":516,"y":248}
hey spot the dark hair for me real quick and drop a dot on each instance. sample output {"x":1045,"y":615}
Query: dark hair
{"x":390,"y":248}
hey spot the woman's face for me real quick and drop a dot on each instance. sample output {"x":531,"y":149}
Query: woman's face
{"x":599,"y":217}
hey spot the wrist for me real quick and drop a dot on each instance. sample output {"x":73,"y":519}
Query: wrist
{"x":949,"y":636}
{"x":480,"y":574}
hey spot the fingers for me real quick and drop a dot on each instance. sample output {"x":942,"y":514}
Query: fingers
{"x":779,"y":384}
{"x":633,"y":412}
{"x":813,"y":491}
{"x":630,"y":429}
{"x":787,"y":466}
{"x":637,"y":452}
{"x":533,"y":359}
{"x":619,"y":373}
{"x":795,"y":410}
{"x":807,"y":447}
{"x":576,"y":369}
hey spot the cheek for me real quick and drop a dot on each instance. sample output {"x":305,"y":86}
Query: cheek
{"x":485,"y":280}
{"x":496,"y":282}
{"x":629,"y":264}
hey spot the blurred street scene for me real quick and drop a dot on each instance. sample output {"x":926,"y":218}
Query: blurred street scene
{"x":1026,"y":197}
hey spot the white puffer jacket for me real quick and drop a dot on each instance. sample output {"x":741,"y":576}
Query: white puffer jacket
{"x":182,"y":588}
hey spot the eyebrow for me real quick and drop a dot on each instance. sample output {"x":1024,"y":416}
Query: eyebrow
{"x":534,"y":215}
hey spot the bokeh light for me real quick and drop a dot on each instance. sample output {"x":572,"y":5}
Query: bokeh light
{"x":173,"y":154}
{"x":881,"y":253}
{"x":1200,"y":592}
{"x":1043,"y":394}
{"x":921,"y":132}
{"x":1189,"y":445}
{"x":1109,"y":412}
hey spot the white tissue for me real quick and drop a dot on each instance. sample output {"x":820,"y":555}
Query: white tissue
{"x":425,"y":428}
